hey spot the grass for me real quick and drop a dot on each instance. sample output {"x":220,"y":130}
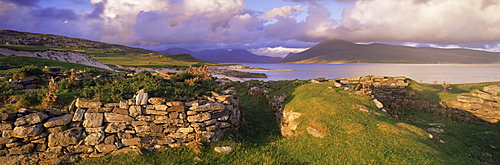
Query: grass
{"x":113,"y":57}
{"x":352,"y":136}
{"x":20,"y":61}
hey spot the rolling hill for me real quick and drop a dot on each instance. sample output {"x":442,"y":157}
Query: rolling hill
{"x":225,"y":56}
{"x":339,"y":51}
{"x":108,"y":54}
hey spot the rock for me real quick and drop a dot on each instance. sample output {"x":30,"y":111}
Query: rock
{"x":224,"y":125}
{"x":27,"y":131}
{"x":93,"y":120}
{"x":145,"y":118}
{"x":141,"y":97}
{"x":176,"y":108}
{"x":106,"y":148}
{"x":53,"y":112}
{"x":59,"y":121}
{"x":79,"y":114}
{"x":138,"y":123}
{"x":135,"y":110}
{"x":132,"y":141}
{"x":66,"y":138}
{"x":120,"y":111}
{"x":156,"y":128}
{"x":114,"y":117}
{"x":492,"y":89}
{"x":164,"y":140}
{"x":80,"y":149}
{"x":22,"y":150}
{"x":208,"y":107}
{"x":110,"y":139}
{"x":466,"y":99}
{"x":123,"y":104}
{"x":155,"y":112}
{"x":378,"y":103}
{"x":439,"y":125}
{"x":156,"y":100}
{"x":4,"y":140}
{"x":31,"y":119}
{"x":199,"y":117}
{"x":185,"y":130}
{"x":84,"y":103}
{"x":115,"y":127}
{"x":437,"y":130}
{"x":56,"y":129}
{"x":95,"y":129}
{"x":5,"y":126}
{"x":174,"y":103}
{"x":224,"y":149}
{"x":94,"y":138}
{"x":229,"y":92}
{"x":162,"y":107}
{"x":314,"y":132}
{"x":7,"y":116}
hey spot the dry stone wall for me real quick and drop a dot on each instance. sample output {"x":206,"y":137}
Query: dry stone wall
{"x":90,"y":128}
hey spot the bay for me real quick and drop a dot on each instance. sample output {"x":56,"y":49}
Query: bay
{"x":427,"y":73}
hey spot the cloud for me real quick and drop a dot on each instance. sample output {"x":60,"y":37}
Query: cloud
{"x":228,"y":24}
{"x":435,"y":21}
{"x":284,"y":11}
{"x":30,"y":3}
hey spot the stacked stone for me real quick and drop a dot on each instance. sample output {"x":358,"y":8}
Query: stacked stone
{"x":93,"y":129}
{"x":375,"y":81}
{"x":483,"y":104}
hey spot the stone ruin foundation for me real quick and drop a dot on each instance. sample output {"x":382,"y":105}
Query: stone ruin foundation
{"x":90,"y":128}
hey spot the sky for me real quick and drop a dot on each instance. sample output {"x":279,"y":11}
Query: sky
{"x":264,"y":27}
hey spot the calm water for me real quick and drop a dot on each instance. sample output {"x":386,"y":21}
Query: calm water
{"x":451,"y":73}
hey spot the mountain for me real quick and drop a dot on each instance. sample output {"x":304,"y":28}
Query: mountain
{"x":11,"y":37}
{"x":290,"y":54}
{"x":177,"y":51}
{"x":339,"y":51}
{"x":225,"y":56}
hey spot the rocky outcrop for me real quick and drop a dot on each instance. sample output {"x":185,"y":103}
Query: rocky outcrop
{"x":483,"y":104}
{"x":93,"y":129}
{"x":64,"y":56}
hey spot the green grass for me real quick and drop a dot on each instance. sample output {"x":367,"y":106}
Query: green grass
{"x":24,"y":47}
{"x":352,"y":136}
{"x":111,"y":56}
{"x":20,"y":61}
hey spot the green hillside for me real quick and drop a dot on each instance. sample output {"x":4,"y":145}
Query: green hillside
{"x":338,"y":51}
{"x":109,"y":54}
{"x":352,"y":136}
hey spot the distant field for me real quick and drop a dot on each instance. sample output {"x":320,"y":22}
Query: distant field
{"x":116,"y":57}
{"x":20,"y":61}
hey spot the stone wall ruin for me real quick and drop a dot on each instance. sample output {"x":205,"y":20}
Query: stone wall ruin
{"x":90,"y":128}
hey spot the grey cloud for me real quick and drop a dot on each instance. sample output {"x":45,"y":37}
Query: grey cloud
{"x":29,"y":3}
{"x":53,"y":13}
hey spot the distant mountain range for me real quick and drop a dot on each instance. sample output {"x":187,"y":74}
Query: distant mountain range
{"x":339,"y":51}
{"x":225,"y":56}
